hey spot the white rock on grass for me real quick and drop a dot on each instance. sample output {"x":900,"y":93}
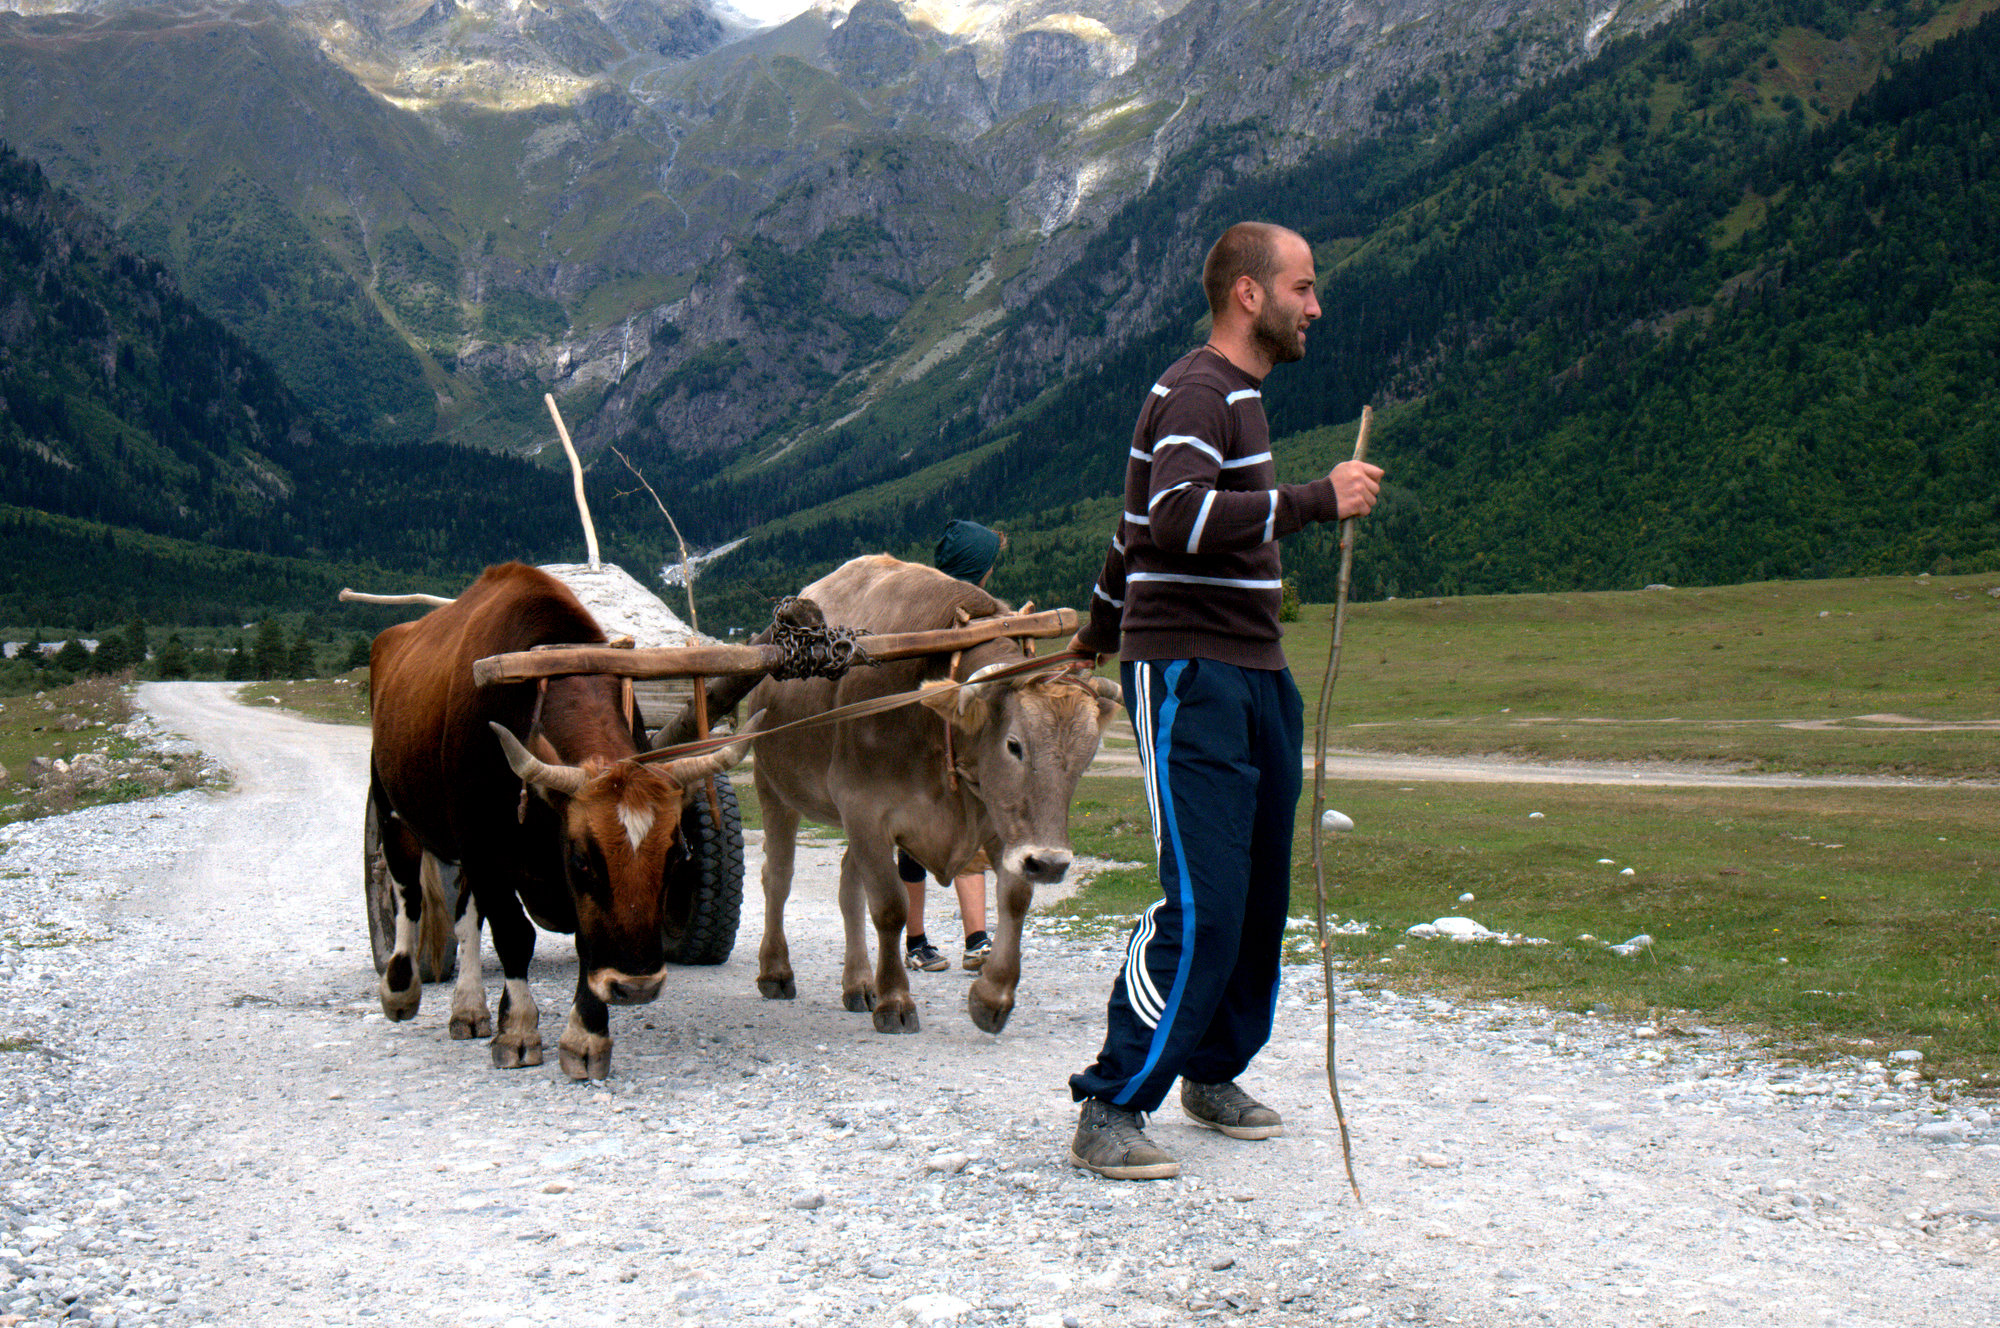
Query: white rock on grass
{"x":1466,"y":930}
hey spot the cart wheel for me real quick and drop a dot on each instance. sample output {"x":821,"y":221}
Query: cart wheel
{"x":437,"y":943}
{"x":709,"y":890}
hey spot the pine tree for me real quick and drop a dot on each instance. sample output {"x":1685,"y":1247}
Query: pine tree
{"x":73,"y":658}
{"x":271,"y":655}
{"x":241,"y":666}
{"x":172,"y":661}
{"x":301,"y":660}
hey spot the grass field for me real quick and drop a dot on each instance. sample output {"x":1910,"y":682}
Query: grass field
{"x":1771,"y":676}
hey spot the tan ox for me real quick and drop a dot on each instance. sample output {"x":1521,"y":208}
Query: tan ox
{"x":1018,"y":747}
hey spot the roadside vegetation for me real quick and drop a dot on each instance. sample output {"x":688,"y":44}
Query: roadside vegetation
{"x":70,"y":747}
{"x":340,"y":700}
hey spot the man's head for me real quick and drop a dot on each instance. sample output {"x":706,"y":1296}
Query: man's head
{"x":1259,"y":279}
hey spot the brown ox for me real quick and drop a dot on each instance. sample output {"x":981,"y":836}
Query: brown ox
{"x":1019,"y":748}
{"x":592,"y":851}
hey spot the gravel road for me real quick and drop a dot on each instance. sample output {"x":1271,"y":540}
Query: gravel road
{"x":204,"y":1119}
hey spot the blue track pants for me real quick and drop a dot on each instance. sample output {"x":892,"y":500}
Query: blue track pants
{"x":1220,"y":749}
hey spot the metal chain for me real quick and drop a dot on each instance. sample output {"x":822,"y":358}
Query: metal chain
{"x":811,"y":648}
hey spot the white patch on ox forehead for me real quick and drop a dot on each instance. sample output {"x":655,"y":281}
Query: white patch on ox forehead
{"x":636,"y":815}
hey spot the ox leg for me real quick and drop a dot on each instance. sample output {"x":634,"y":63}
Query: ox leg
{"x":400,"y":989}
{"x":584,"y":1050}
{"x":889,"y":906}
{"x":857,"y":979}
{"x":469,"y":1018}
{"x":991,"y":999}
{"x":774,"y":956}
{"x":519,"y":1041}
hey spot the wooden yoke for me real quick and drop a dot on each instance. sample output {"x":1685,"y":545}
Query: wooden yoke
{"x":714,"y":660}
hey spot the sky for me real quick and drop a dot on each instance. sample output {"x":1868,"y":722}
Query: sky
{"x":767,"y":12}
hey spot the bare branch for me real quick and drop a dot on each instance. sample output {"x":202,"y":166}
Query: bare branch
{"x":687,"y":566}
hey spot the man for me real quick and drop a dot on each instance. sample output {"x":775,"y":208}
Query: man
{"x":967,"y":551}
{"x":1189,"y":594}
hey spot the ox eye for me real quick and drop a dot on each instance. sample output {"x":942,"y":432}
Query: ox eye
{"x":1015,"y":750}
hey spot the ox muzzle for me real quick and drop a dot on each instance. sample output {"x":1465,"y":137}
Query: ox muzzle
{"x":1039,"y":863}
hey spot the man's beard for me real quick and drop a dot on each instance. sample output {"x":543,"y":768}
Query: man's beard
{"x":1278,"y":337}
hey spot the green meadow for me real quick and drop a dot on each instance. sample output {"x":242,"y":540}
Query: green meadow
{"x":1871,"y":676}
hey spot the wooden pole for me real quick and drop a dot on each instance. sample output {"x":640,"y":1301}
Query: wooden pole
{"x":716,"y":660}
{"x":363,"y":597}
{"x":1319,"y":802}
{"x":576,"y":480}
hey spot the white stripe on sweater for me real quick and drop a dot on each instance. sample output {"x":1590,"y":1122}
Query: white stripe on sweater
{"x":1187,"y":440}
{"x":1179,"y":579}
{"x":1194,"y":536}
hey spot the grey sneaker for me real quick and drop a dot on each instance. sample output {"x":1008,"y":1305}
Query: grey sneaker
{"x":1227,"y":1108}
{"x":977,"y":947}
{"x":925,"y":956}
{"x":1109,"y":1142}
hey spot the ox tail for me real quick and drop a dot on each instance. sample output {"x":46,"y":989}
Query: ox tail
{"x":437,"y":942}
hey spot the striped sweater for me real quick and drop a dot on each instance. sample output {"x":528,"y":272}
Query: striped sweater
{"x":1193,"y":571}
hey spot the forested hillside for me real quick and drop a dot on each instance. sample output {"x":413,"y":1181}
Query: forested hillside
{"x":1718,"y":305}
{"x":124,"y":405}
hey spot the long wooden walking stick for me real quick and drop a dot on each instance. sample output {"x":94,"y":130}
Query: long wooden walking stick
{"x":1319,"y":802}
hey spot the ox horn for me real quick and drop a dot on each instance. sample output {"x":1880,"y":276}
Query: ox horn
{"x":565,"y":779}
{"x":691,"y":770}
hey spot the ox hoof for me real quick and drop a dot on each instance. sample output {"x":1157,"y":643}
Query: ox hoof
{"x":889,"y":1020}
{"x":514,"y":1051}
{"x":987,"y":1017}
{"x":858,"y":1002}
{"x":780,"y":989}
{"x":466,"y":1027}
{"x":400,"y":1005}
{"x":585,"y":1062}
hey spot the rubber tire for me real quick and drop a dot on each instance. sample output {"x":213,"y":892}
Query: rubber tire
{"x":710,"y":879}
{"x":436,"y":962}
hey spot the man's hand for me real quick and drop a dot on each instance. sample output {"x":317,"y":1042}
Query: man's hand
{"x":1355,"y":487}
{"x":1077,"y":647}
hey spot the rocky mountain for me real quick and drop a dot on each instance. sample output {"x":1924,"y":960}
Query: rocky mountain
{"x":429,"y":213}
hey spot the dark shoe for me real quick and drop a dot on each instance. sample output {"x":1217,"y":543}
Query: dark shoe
{"x":977,"y":947}
{"x":1227,"y":1108}
{"x":1109,"y":1142}
{"x":923,"y":955}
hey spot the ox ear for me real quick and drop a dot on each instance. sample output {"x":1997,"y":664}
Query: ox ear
{"x":1109,"y":697}
{"x":963,"y":705}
